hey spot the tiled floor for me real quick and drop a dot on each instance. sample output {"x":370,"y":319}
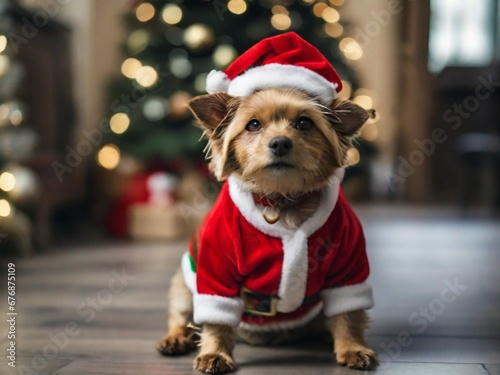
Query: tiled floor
{"x":436,"y":282}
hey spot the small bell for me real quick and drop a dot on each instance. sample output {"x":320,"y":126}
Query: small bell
{"x":271,"y":214}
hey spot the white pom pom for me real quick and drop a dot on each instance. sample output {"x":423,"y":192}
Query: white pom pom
{"x":161,"y":182}
{"x":217,"y":81}
{"x":162,"y":188}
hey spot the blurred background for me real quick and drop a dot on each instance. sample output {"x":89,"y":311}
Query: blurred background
{"x":96,"y":143}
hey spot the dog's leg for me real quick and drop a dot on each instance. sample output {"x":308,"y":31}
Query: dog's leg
{"x":179,"y":338}
{"x":216,"y":353}
{"x":350,"y":347}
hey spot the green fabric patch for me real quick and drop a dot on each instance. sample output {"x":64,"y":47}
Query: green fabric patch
{"x":192,"y":262}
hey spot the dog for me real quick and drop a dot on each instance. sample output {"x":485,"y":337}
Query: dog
{"x":281,"y":255}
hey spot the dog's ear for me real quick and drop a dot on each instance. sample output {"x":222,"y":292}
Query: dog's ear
{"x":214,"y":113}
{"x":347,"y":118}
{"x":211,"y":110}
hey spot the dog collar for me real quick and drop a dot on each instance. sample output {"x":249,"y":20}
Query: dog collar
{"x":272,"y":207}
{"x":282,"y":202}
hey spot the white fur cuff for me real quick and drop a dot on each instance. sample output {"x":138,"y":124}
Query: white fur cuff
{"x":217,"y":310}
{"x":347,"y":298}
{"x":188,"y":273}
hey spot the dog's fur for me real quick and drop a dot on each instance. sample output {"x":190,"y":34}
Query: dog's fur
{"x":315,"y":154}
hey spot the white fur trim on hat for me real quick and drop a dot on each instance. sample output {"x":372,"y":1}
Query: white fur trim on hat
{"x":217,"y":81}
{"x":274,"y":76}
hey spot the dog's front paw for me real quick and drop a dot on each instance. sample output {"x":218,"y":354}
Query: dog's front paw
{"x":214,"y":363}
{"x":362,"y":359}
{"x":175,"y":345}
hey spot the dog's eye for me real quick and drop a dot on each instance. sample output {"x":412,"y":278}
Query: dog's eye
{"x":305,"y":123}
{"x":253,"y":126}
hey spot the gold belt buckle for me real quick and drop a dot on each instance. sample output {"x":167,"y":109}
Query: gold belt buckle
{"x":259,"y":304}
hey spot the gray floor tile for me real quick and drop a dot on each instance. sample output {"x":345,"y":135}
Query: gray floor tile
{"x":35,"y":365}
{"x":112,"y":368}
{"x":493,"y":369}
{"x":438,"y":349}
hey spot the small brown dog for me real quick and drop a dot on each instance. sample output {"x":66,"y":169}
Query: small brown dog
{"x":281,"y":256}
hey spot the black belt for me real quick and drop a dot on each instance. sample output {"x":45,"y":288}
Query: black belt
{"x":261,"y":304}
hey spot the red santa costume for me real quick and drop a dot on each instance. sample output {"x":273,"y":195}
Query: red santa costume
{"x":245,"y":271}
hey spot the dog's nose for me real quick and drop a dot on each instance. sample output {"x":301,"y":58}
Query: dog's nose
{"x":279,"y":146}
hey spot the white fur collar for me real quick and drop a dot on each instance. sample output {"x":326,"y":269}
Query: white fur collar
{"x":293,"y":283}
{"x":243,"y":199}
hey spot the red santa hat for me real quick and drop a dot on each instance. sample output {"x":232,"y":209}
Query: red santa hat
{"x":285,"y":60}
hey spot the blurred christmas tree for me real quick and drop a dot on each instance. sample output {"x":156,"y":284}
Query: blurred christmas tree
{"x":17,"y":142}
{"x":171,"y":47}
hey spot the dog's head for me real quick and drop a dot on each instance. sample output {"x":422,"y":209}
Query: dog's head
{"x":279,"y":141}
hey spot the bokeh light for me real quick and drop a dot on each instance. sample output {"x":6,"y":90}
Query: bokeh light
{"x":351,"y":49}
{"x":237,"y":6}
{"x":318,"y":9}
{"x":119,"y":123}
{"x":3,"y":43}
{"x":16,"y":117}
{"x":171,"y":14}
{"x":330,"y":15}
{"x":109,"y":157}
{"x":146,"y":76}
{"x":333,"y":29}
{"x":178,"y":104}
{"x":369,"y":132}
{"x":362,"y":91}
{"x":7,"y":181}
{"x":4,"y":114}
{"x":145,"y":12}
{"x":130,"y":67}
{"x":224,"y":54}
{"x":155,"y":108}
{"x":138,"y":40}
{"x":346,"y":91}
{"x":199,"y":37}
{"x":180,"y":66}
{"x":4,"y":65}
{"x":279,"y":9}
{"x":200,"y":82}
{"x":353,"y":156}
{"x":363,"y":101}
{"x":4,"y":208}
{"x":281,"y":21}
